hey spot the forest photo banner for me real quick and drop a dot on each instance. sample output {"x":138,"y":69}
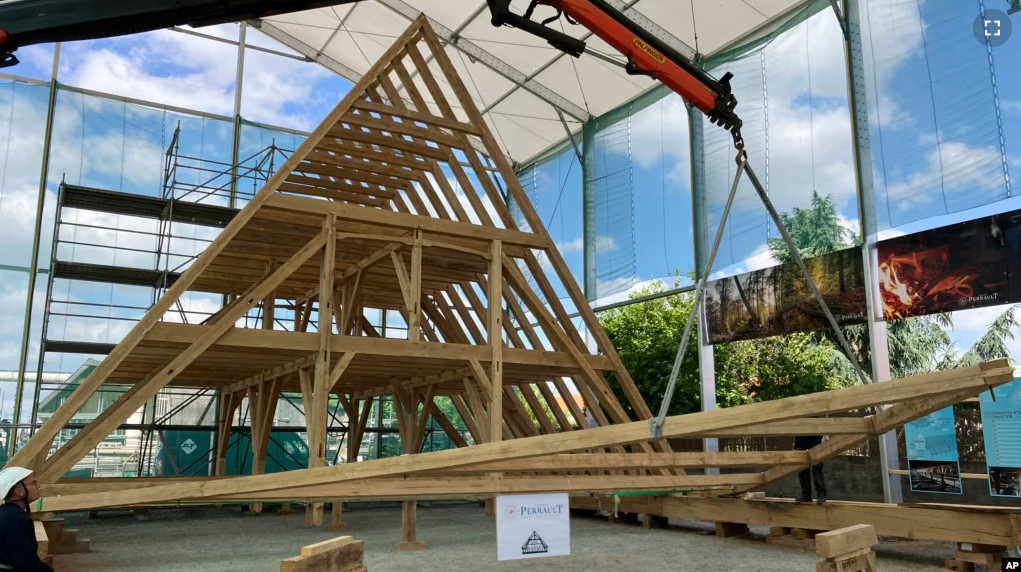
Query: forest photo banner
{"x":967,"y":265}
{"x":778,"y":300}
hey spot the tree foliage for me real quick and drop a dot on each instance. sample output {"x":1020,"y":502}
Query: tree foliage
{"x":647,"y":335}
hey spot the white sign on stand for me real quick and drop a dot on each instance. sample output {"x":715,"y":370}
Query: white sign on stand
{"x":532,"y":526}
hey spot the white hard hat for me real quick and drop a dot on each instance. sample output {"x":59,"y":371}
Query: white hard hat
{"x":10,"y":477}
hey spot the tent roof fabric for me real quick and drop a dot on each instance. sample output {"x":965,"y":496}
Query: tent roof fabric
{"x":527,"y":89}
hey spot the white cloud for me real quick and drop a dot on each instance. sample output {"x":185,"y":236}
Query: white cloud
{"x":978,"y":319}
{"x":574,"y":245}
{"x":951,"y":165}
{"x":195,"y":73}
{"x":759,"y":259}
{"x":1012,"y":106}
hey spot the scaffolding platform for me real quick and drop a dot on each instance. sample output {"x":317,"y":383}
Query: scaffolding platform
{"x":130,"y":204}
{"x":113,"y":274}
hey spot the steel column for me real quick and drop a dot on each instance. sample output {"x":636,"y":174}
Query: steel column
{"x":34,"y":264}
{"x":878,"y":340}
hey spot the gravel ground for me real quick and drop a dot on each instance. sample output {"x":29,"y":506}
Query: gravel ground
{"x":460,"y":537}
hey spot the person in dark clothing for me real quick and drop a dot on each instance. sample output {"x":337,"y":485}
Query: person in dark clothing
{"x":19,"y":551}
{"x":812,"y":475}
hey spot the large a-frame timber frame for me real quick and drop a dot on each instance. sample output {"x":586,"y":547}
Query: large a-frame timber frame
{"x":363,"y":215}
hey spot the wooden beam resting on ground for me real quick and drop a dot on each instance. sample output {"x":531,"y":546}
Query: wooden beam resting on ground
{"x":342,"y":554}
{"x":845,"y":540}
{"x":989,"y":525}
{"x":914,"y":390}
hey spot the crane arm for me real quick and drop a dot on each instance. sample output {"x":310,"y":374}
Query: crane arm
{"x":646,"y":54}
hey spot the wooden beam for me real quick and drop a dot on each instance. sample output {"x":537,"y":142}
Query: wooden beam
{"x":296,"y":204}
{"x":973,"y":524}
{"x":972,"y":380}
{"x":599,"y":461}
{"x":138,"y":395}
{"x":495,"y":337}
{"x":308,"y":342}
{"x":322,"y":382}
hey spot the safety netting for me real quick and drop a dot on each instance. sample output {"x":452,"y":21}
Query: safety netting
{"x":553,"y":185}
{"x":942,"y":107}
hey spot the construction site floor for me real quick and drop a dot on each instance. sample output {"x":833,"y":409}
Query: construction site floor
{"x":459,"y":537}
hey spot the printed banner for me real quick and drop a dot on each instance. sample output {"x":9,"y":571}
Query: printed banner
{"x":532,"y":526}
{"x":956,"y":267}
{"x":777,"y":300}
{"x":933,"y":462}
{"x":1001,"y":432}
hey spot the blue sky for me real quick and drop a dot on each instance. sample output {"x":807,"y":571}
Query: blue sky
{"x":918,"y":182}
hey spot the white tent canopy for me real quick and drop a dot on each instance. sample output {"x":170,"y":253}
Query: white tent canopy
{"x":518,"y":80}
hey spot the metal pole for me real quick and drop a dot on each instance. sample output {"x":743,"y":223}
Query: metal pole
{"x":238,"y":82}
{"x":878,"y":339}
{"x":46,"y":313}
{"x":706,"y":353}
{"x":656,"y":422}
{"x":34,"y":264}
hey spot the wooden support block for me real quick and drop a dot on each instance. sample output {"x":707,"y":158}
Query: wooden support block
{"x":654,"y":521}
{"x":807,"y":545}
{"x":857,"y":563}
{"x":490,"y":504}
{"x":991,"y":559}
{"x":337,"y":517}
{"x":409,"y":524}
{"x":325,"y":546}
{"x":843,"y":541}
{"x":959,"y":566}
{"x":341,"y":555}
{"x":779,"y":531}
{"x":728,"y":529}
{"x":804,"y":533}
{"x":285,"y":509}
{"x":971,"y":547}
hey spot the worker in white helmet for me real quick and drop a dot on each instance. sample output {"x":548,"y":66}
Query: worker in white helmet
{"x":19,"y":550}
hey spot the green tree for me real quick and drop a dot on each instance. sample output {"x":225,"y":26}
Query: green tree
{"x":647,"y":336}
{"x":815,"y":230}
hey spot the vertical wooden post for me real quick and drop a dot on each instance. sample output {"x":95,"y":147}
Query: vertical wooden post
{"x":320,"y":389}
{"x":406,"y":403}
{"x":255,"y":412}
{"x":495,"y":337}
{"x":415,"y":310}
{"x":230,"y":403}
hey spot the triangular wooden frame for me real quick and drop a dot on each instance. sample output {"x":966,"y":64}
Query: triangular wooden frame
{"x":362,"y":215}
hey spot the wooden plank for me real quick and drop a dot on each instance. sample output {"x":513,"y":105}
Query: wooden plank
{"x":406,"y":221}
{"x":675,"y":426}
{"x":923,"y":522}
{"x":846,"y":540}
{"x":495,"y":337}
{"x":388,"y":347}
{"x":344,"y":558}
{"x":592,"y":461}
{"x":325,"y":546}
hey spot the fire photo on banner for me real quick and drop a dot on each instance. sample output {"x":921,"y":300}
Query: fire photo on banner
{"x":777,"y":300}
{"x":933,"y":462}
{"x":956,"y":267}
{"x":1001,"y":432}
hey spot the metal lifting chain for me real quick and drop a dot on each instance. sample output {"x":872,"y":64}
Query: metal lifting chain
{"x":656,"y":423}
